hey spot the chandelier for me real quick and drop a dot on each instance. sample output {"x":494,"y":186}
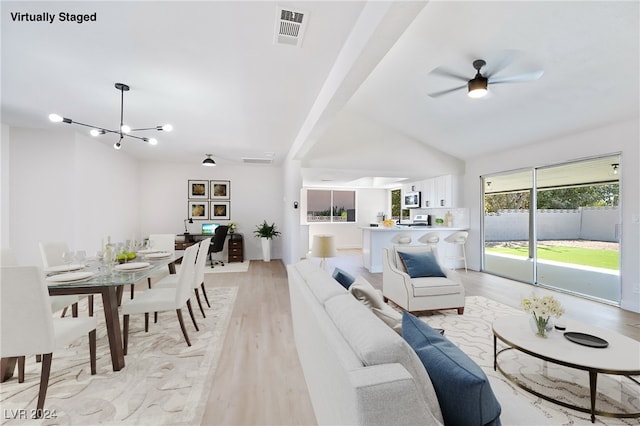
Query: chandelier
{"x":123,"y":130}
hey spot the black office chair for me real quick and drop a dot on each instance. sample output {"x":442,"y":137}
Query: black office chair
{"x":217,"y":243}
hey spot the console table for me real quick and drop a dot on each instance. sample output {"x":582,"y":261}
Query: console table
{"x":619,"y":358}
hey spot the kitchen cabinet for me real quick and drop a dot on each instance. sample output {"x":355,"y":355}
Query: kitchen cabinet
{"x":441,"y":191}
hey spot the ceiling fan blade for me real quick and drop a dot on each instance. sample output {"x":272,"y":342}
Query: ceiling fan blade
{"x":444,"y":92}
{"x":501,"y":63}
{"x":520,"y":78}
{"x":448,"y":73}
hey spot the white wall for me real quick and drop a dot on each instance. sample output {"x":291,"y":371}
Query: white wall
{"x":4,"y":188}
{"x":67,"y":187}
{"x":256,"y":194}
{"x":64,"y":186}
{"x":621,"y":137}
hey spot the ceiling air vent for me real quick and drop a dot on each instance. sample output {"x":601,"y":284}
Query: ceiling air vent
{"x":257,"y":160}
{"x":290,"y":26}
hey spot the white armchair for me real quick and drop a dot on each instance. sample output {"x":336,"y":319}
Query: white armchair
{"x":419,"y":294}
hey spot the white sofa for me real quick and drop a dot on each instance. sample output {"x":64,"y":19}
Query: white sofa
{"x":358,"y":370}
{"x":419,"y":294}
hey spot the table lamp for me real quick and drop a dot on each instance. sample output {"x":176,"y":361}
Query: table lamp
{"x":323,"y":247}
{"x":186,"y":231}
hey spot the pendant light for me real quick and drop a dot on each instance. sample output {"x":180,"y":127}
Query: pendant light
{"x":209,"y":161}
{"x":123,"y":130}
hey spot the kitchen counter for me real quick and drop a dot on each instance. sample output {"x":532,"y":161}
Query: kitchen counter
{"x":375,"y":239}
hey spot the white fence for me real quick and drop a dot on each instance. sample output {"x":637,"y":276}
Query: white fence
{"x":586,"y":223}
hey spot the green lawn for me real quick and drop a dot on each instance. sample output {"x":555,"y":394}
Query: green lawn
{"x":608,"y":259}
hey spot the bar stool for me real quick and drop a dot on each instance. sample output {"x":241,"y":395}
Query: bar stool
{"x":401,"y":239}
{"x":431,"y":239}
{"x":455,"y":240}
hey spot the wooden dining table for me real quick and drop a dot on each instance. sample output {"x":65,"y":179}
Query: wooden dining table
{"x":109,"y":286}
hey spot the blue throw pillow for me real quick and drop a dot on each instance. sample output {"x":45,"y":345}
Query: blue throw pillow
{"x":421,"y":264}
{"x":343,"y":278}
{"x":463,"y":390}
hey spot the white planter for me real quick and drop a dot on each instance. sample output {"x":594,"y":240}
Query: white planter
{"x":266,"y":249}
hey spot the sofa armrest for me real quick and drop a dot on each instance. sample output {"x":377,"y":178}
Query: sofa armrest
{"x":396,"y":284}
{"x":382,"y":386}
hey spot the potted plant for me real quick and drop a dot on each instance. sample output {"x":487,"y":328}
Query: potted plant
{"x":266,"y":233}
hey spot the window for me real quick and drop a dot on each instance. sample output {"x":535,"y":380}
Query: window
{"x":333,"y":206}
{"x":397,"y":212}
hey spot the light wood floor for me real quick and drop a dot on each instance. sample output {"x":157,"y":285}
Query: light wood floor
{"x":259,"y":380}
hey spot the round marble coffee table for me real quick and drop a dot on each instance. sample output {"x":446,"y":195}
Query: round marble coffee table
{"x":620,"y":357}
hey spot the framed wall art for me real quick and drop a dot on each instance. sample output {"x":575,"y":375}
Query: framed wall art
{"x":220,"y":210}
{"x":199,"y":210}
{"x":220,"y":190}
{"x":198,"y":189}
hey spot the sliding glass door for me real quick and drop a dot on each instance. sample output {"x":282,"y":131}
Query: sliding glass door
{"x":507,"y":225}
{"x":556,"y":226}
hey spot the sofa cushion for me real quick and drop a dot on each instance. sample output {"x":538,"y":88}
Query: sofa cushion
{"x":434,"y":286}
{"x":464,"y":392}
{"x":389,"y":316}
{"x":375,"y":343}
{"x":319,"y":281}
{"x":423,"y":264}
{"x":343,"y":277}
{"x":362,"y":290}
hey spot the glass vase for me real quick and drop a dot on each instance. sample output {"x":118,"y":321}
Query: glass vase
{"x":541,"y":325}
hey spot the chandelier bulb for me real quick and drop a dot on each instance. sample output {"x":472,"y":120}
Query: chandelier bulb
{"x":125,"y":128}
{"x":117,"y":145}
{"x":55,"y":118}
{"x":153,"y":141}
{"x":166,"y":128}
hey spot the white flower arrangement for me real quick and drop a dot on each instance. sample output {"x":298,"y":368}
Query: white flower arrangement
{"x":542,"y":309}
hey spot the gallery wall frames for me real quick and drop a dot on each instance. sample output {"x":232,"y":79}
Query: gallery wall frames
{"x":199,"y":210}
{"x":220,"y":210}
{"x":209,"y":199}
{"x":198,"y":189}
{"x":220,"y":190}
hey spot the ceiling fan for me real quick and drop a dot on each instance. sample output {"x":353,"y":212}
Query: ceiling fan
{"x":477,"y":87}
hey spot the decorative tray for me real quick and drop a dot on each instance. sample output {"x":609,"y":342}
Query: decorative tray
{"x":586,"y":339}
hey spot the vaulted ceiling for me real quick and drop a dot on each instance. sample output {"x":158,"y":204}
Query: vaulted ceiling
{"x":351,"y":102}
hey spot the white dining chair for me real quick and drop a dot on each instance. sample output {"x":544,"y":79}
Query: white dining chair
{"x":164,"y":299}
{"x":198,"y":281}
{"x":27,"y":326}
{"x":160,"y":242}
{"x":8,"y":258}
{"x":51,"y":253}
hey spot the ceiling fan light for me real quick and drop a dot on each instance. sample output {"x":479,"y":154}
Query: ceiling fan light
{"x":208,"y":162}
{"x":477,"y":87}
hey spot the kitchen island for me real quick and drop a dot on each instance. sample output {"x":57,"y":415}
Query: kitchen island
{"x":374,"y":240}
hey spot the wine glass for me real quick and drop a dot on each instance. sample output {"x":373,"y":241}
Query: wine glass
{"x":67,"y":258}
{"x":81,"y":257}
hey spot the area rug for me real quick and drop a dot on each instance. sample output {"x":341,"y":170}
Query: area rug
{"x":228,"y":267}
{"x":472,"y":333}
{"x":164,"y":382}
